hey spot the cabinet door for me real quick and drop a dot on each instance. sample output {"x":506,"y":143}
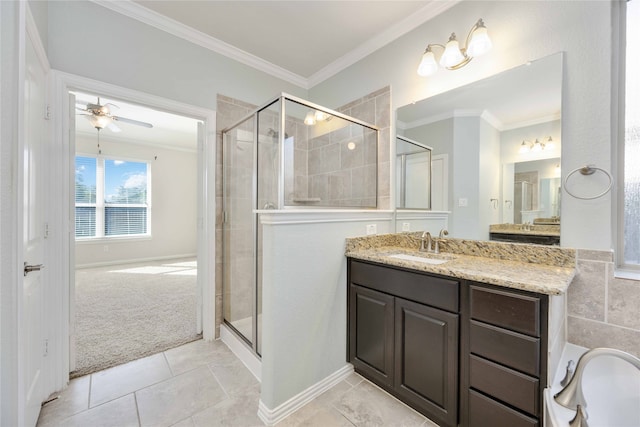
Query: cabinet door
{"x":426,"y":360}
{"x":371,"y":333}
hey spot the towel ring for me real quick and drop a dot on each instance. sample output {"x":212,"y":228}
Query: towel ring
{"x":588,"y":170}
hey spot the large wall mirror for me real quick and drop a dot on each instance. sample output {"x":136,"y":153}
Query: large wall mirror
{"x":493,"y":133}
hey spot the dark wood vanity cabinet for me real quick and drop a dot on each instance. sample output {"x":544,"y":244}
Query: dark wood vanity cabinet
{"x":504,"y":348}
{"x":403,"y":336}
{"x":460,"y":352}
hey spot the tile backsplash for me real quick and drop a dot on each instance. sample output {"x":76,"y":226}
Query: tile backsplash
{"x":602,"y":310}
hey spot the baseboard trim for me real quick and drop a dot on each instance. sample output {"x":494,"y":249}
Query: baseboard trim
{"x":134,"y":260}
{"x":242,"y":351}
{"x":273,"y":416}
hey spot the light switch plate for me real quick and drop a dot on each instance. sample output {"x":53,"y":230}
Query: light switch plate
{"x":463,"y":202}
{"x":406,"y":226}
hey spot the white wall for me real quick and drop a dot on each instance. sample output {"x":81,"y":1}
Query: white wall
{"x":173,"y":205}
{"x":91,"y":41}
{"x":521,"y":31}
{"x":489,"y":179}
{"x":304,"y":296}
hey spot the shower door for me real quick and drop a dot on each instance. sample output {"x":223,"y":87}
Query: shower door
{"x":239,"y":243}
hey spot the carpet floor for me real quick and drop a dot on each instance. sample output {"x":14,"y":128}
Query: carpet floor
{"x":130,"y":311}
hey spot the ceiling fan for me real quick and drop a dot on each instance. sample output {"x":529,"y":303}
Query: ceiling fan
{"x":101,"y":116}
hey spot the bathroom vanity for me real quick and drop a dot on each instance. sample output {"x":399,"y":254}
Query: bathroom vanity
{"x":463,"y":339}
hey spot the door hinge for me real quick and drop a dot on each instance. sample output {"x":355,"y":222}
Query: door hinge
{"x":45,"y":349}
{"x":46,"y":230}
{"x":47,"y":112}
{"x":224,"y":217}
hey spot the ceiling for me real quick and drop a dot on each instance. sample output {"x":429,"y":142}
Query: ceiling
{"x":304,"y":41}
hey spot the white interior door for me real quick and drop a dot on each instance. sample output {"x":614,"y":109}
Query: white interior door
{"x":440,"y":183}
{"x":418,"y":173}
{"x":33,"y":346}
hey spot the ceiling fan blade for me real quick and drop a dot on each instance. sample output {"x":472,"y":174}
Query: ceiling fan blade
{"x":131,"y":121}
{"x":113,"y":128}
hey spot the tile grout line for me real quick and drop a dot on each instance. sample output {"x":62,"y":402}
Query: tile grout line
{"x":135,"y":399}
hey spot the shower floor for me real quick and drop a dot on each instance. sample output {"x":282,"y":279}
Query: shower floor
{"x":244,"y":326}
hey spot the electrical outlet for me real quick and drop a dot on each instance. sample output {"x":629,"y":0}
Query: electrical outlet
{"x":372,"y":229}
{"x":105,"y":248}
{"x":463,"y":202}
{"x":406,"y":226}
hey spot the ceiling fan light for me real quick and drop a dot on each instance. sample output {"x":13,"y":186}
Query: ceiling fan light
{"x":480,"y":42}
{"x":99,"y":122}
{"x":428,"y":65}
{"x":452,"y":55}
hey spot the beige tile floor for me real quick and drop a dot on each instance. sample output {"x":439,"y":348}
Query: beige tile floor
{"x":204,"y":384}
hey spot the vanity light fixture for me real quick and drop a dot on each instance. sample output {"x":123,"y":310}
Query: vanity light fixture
{"x":477,"y":43}
{"x":537,"y":145}
{"x":313,"y":117}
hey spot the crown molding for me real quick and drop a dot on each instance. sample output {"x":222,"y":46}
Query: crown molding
{"x":431,"y":10}
{"x":534,"y":121}
{"x":140,"y":13}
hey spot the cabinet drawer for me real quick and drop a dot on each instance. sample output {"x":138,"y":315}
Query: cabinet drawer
{"x":486,"y":412}
{"x":517,"y":312}
{"x":509,"y":348}
{"x":422,"y":288}
{"x":512,"y":387}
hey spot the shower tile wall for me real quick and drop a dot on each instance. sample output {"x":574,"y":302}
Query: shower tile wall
{"x":375,"y":108}
{"x":602,"y":311}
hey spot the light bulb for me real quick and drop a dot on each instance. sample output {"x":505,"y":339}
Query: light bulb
{"x":549,"y":145}
{"x":452,"y":55}
{"x":351,"y":145}
{"x":524,"y":147}
{"x":480,"y":42}
{"x":310,"y":119}
{"x":537,"y":146}
{"x":428,"y":64}
{"x":320,"y":116}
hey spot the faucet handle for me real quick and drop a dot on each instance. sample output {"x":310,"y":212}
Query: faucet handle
{"x":571,"y":367}
{"x":443,"y":233}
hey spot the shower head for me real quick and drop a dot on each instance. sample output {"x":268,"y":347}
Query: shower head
{"x":274,"y":134}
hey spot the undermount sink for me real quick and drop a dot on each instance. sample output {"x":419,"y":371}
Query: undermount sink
{"x":424,"y":259}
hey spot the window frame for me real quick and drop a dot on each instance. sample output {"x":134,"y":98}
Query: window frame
{"x":101,"y":204}
{"x":619,"y":39}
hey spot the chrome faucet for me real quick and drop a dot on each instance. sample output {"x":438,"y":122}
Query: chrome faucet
{"x":425,"y":242}
{"x":572,"y":396}
{"x":443,"y":233}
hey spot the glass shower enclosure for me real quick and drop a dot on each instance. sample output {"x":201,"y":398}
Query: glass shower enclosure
{"x":287,"y":154}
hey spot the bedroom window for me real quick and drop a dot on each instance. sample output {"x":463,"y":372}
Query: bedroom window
{"x":111,"y":198}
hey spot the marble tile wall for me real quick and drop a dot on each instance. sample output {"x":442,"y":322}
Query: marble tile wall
{"x":602,"y":310}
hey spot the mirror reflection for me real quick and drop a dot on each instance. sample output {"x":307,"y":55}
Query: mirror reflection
{"x":413,"y":174}
{"x":488,"y":131}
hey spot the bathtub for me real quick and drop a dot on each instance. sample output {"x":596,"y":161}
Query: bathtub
{"x":611,"y":388}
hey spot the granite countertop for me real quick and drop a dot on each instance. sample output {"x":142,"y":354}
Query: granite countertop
{"x":534,"y":268}
{"x":534,"y":230}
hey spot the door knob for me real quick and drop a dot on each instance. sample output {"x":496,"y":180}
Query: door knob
{"x":29,"y":268}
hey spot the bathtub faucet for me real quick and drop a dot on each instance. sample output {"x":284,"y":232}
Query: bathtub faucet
{"x":572,"y":397}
